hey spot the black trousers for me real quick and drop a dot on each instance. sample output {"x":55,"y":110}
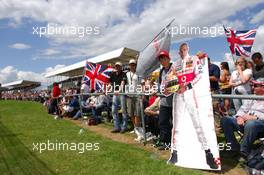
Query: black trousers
{"x":54,"y":106}
{"x":152,"y":124}
{"x":165,"y":123}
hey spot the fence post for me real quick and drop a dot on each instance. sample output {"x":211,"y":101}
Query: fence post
{"x":80,"y":104}
{"x":143,"y":119}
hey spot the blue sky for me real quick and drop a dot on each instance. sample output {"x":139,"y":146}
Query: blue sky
{"x":127,"y":23}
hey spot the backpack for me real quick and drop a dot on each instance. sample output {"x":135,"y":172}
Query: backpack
{"x":256,"y":159}
{"x":91,"y":121}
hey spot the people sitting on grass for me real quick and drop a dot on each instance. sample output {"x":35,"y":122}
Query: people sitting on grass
{"x":63,"y":103}
{"x":249,"y":120}
{"x":100,"y":103}
{"x":85,"y":108}
{"x":70,"y":109}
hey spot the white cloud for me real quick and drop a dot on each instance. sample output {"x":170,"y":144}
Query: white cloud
{"x":230,"y":60}
{"x":21,"y":75}
{"x":10,"y":73}
{"x":258,"y":17}
{"x":258,"y":45}
{"x":50,"y":69}
{"x":118,"y":28}
{"x":20,"y":46}
{"x":49,"y":52}
{"x":82,"y":12}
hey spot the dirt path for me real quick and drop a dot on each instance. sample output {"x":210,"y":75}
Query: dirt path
{"x":129,"y":139}
{"x":124,"y":138}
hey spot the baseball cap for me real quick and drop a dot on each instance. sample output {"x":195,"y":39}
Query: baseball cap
{"x":132,"y":61}
{"x":164,"y":53}
{"x":119,"y":63}
{"x":259,"y":81}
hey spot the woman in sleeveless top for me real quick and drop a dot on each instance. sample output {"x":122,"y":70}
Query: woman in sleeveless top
{"x":224,"y":84}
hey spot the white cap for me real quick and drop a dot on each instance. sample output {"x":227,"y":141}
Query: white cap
{"x":119,"y":63}
{"x":132,"y":61}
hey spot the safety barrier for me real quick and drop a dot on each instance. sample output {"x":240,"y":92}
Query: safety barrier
{"x":249,"y":97}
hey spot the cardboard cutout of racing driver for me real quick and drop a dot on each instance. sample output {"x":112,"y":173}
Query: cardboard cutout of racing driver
{"x":185,"y":73}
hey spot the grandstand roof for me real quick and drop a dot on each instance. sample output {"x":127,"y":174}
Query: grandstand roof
{"x":123,"y":55}
{"x":2,"y":88}
{"x":21,"y":84}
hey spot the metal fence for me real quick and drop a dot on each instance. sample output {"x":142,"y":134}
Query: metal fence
{"x":249,"y":97}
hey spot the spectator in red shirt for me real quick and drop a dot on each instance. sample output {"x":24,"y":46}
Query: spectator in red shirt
{"x":54,"y":100}
{"x":56,"y":90}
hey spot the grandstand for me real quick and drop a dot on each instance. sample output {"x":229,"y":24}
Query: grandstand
{"x":69,"y":76}
{"x":123,"y":55}
{"x":21,"y":85}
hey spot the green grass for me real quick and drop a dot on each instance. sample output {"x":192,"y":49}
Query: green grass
{"x":25,"y":123}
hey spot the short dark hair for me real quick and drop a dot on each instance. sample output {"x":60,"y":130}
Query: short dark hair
{"x":225,"y":65}
{"x":256,"y":55}
{"x":55,"y":84}
{"x":183,"y":44}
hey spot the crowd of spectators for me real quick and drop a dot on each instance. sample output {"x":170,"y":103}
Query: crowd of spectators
{"x":246,"y":116}
{"x":26,"y":95}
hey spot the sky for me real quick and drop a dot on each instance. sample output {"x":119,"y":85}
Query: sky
{"x":38,"y":36}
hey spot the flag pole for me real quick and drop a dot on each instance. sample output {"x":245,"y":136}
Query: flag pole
{"x":233,"y":58}
{"x":229,"y":49}
{"x":158,"y":34}
{"x":81,"y":93}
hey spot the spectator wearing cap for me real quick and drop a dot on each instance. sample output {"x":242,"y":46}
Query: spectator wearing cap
{"x":133,"y":105}
{"x":258,"y":70}
{"x":249,"y":120}
{"x":165,"y":113}
{"x":118,"y":80}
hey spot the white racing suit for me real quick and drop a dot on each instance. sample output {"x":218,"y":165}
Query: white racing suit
{"x":189,"y":72}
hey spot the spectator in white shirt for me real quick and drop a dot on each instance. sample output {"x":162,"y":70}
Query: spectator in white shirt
{"x":240,"y":81}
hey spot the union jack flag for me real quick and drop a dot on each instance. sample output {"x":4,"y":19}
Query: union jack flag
{"x":240,"y":42}
{"x":96,"y":76}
